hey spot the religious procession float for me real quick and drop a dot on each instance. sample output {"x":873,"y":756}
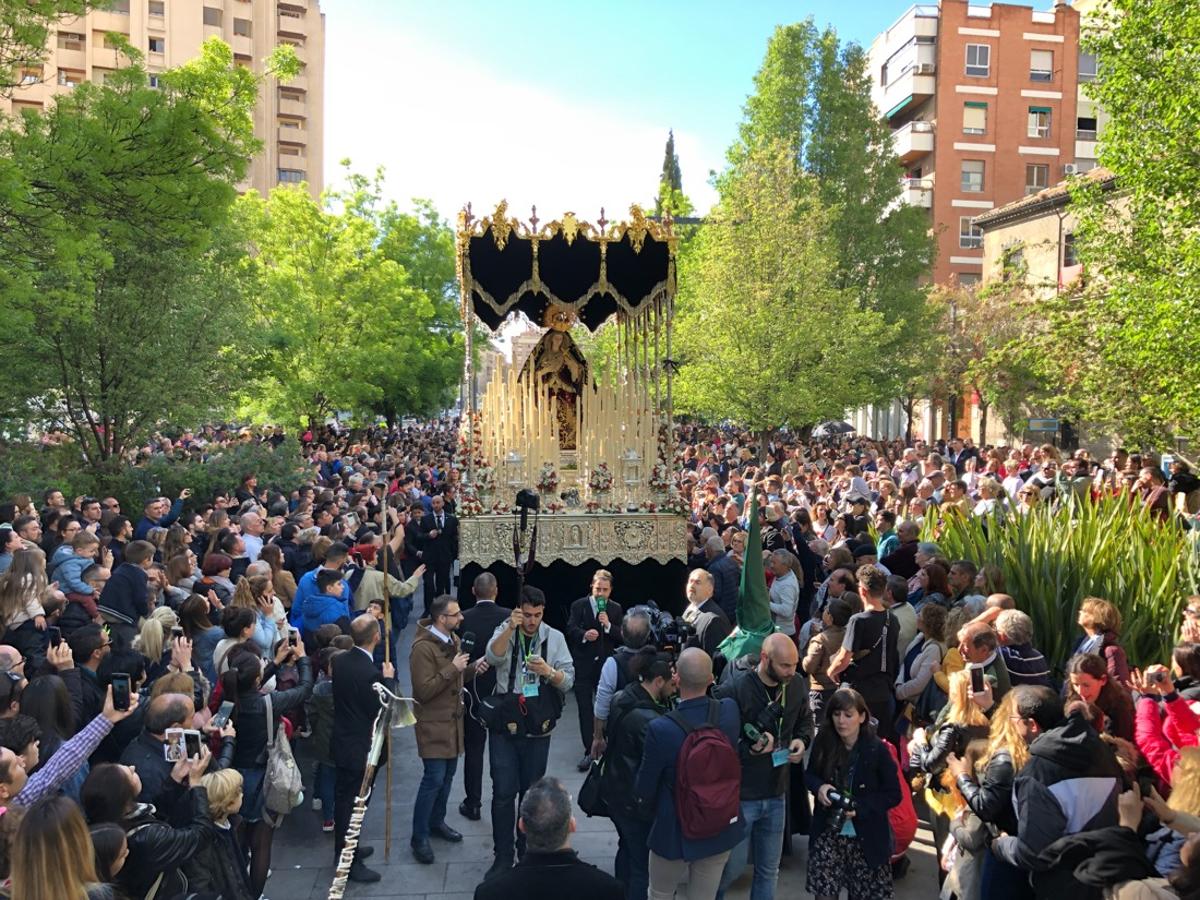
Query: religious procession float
{"x":580,"y":450}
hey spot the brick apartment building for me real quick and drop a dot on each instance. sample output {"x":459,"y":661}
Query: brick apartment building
{"x":985,"y":106}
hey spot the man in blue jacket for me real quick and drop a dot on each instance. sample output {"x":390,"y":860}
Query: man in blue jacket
{"x":674,"y":858}
{"x":156,"y":514}
{"x":309,"y":594}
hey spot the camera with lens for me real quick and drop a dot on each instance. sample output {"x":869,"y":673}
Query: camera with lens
{"x":840,"y":804}
{"x":766,"y":722}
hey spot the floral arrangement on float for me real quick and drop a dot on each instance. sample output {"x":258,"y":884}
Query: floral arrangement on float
{"x":468,"y":503}
{"x":547,"y":482}
{"x":661,"y":478}
{"x":600,"y":479}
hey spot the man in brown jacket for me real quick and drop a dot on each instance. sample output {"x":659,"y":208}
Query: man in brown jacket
{"x":438,"y":668}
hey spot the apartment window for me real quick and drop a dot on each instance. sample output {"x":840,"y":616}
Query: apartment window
{"x":1039,"y":121}
{"x":113,"y":41}
{"x":291,"y":94}
{"x":242,"y":27}
{"x":30,"y":76}
{"x":1087,"y":66}
{"x":212,"y":16}
{"x":979,"y":60}
{"x":157,"y":8}
{"x":972,"y":176}
{"x":120,"y":6}
{"x":1041,"y":65}
{"x":1085,"y":128}
{"x":970,"y":237}
{"x":1037,"y":178}
{"x":969,"y":279}
{"x":154,"y":82}
{"x":158,"y":45}
{"x":289,"y":123}
{"x":290,"y":176}
{"x":1070,"y":256}
{"x":974,"y":117}
{"x":69,"y":77}
{"x":69,"y":40}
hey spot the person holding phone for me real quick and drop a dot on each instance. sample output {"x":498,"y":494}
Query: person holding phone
{"x":979,"y":647}
{"x":593,"y":633}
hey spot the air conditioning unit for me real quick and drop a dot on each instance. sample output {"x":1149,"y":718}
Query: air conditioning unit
{"x":1070,"y":169}
{"x":925,"y":68}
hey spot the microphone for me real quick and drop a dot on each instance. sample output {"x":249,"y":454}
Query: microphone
{"x":468,"y":642}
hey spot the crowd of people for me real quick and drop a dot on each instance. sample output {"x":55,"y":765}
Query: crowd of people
{"x":156,"y":668}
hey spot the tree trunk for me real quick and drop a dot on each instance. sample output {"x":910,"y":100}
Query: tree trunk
{"x":908,"y":405}
{"x":983,"y":421}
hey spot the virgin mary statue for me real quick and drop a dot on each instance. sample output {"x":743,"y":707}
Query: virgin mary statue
{"x":559,"y":370}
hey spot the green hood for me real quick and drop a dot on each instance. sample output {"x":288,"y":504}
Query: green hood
{"x":754,"y":621}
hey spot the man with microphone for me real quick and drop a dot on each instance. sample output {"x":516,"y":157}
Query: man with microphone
{"x":593,"y":633}
{"x":479,"y":623}
{"x":439,"y":668}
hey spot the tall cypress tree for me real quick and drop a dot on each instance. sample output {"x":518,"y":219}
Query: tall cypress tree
{"x":670,"y":181}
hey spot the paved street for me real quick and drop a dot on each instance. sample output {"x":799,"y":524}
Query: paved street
{"x":303,"y":855}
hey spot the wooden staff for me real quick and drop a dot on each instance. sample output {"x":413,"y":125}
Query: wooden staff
{"x":387,"y":658}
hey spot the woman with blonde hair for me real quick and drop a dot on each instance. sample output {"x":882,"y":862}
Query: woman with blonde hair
{"x":960,"y":722}
{"x":987,"y":790}
{"x":1101,"y":624}
{"x":283,"y":580}
{"x":55,"y":857}
{"x":257,"y":593}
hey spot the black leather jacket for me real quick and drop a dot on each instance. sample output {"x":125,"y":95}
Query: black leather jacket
{"x":946,"y":739}
{"x":990,"y":797}
{"x":155,"y":847}
{"x":631,"y":713}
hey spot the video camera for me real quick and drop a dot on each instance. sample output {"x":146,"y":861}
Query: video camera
{"x":667,"y":632}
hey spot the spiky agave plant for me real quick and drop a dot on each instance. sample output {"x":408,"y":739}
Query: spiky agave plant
{"x":1053,"y":558}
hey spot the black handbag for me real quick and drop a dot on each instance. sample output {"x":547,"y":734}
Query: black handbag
{"x":515,"y":714}
{"x":591,"y":794}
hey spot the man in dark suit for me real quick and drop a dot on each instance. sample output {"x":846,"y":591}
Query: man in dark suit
{"x":726,"y":575}
{"x":413,"y":554}
{"x":439,"y":548}
{"x":592,"y":634}
{"x":702,"y":613}
{"x":355,"y":706}
{"x":481,"y":620}
{"x":550,"y":868}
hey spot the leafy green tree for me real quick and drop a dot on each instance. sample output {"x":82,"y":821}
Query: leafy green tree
{"x":26,"y":27}
{"x":814,"y":94}
{"x":1126,"y":344}
{"x":356,"y":312}
{"x":671,"y":198}
{"x":124,"y":277}
{"x":764,"y":263}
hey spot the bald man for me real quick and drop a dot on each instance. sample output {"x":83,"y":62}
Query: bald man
{"x":355,"y":705}
{"x":674,"y":858}
{"x":780,"y":728}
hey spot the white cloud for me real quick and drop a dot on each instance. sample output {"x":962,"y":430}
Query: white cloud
{"x":456,"y":130}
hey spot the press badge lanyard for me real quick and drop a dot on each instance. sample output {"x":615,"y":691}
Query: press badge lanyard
{"x":529,"y":681}
{"x":779,"y":756}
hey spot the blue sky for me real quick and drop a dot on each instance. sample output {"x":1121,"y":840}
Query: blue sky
{"x":564,"y":104}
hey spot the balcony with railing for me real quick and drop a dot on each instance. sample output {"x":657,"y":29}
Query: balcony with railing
{"x":912,"y":141}
{"x":917,"y":192}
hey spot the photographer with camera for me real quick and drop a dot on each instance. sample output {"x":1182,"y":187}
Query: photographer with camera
{"x":534,"y":671}
{"x":646,"y":698}
{"x":593,"y":631}
{"x":776,"y":728}
{"x":855,"y":781}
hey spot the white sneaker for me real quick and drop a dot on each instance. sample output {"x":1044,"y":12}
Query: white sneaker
{"x":316,"y":804}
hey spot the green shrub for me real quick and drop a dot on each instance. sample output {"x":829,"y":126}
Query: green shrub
{"x":1053,"y":559}
{"x":26,"y":468}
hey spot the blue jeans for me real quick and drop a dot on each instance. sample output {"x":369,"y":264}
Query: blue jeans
{"x":632,"y":865}
{"x":430,"y":806}
{"x":323,"y":789}
{"x":517,"y":762}
{"x":764,"y":830}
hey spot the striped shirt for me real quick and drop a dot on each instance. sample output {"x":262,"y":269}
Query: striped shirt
{"x":1025,"y":665}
